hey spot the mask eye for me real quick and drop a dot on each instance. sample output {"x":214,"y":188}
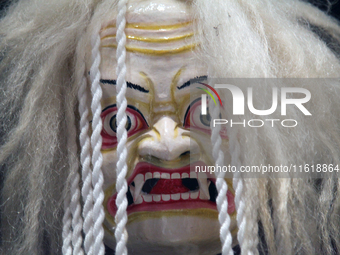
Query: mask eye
{"x":134,"y":124}
{"x":194,"y":119}
{"x":205,"y":119}
{"x":113,"y":123}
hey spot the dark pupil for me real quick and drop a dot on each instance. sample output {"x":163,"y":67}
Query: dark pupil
{"x":205,"y":119}
{"x":113,"y":123}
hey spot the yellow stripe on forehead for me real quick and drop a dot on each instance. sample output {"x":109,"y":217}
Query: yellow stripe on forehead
{"x":156,"y":52}
{"x":152,"y":26}
{"x":146,"y":38}
{"x":153,"y":39}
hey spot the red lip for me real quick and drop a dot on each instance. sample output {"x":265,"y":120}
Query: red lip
{"x":169,"y":193}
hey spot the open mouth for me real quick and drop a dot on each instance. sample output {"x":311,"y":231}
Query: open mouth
{"x":152,"y":188}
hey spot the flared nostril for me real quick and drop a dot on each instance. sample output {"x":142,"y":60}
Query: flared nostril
{"x":186,"y":153}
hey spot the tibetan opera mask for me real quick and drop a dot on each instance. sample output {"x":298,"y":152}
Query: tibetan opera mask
{"x":171,"y":209}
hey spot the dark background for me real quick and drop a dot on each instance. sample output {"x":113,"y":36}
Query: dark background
{"x":330,"y":6}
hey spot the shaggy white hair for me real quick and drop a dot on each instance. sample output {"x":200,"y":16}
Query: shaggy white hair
{"x":42,"y":64}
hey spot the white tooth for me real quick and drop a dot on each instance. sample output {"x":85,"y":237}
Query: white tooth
{"x":203,"y":196}
{"x":156,"y":198}
{"x":193,"y":175}
{"x":185,"y":175}
{"x":165,"y":197}
{"x":175,"y":176}
{"x":148,"y":176}
{"x":204,"y":190}
{"x":165,"y":176}
{"x":185,"y":195}
{"x":194,"y":195}
{"x":147,"y":198}
{"x":139,"y":200}
{"x":175,"y":196}
{"x":132,"y":189}
{"x":156,"y":175}
{"x":201,"y":175}
{"x":139,"y":182}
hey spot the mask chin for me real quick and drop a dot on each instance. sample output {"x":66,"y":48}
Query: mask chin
{"x":177,"y":232}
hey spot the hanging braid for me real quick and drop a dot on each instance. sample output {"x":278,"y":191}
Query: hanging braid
{"x":72,"y":220}
{"x":235,"y":150}
{"x":85,"y":154}
{"x":75,"y":207}
{"x":121,"y":184}
{"x":96,"y":143}
{"x":221,"y":185}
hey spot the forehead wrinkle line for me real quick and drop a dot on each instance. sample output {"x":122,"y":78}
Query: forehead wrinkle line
{"x":147,"y":80}
{"x":160,"y":39}
{"x":176,"y":77}
{"x":174,"y":83}
{"x":155,"y":26}
{"x":150,"y":26}
{"x":108,"y":36}
{"x":151,"y":88}
{"x":108,"y":27}
{"x":147,"y":51}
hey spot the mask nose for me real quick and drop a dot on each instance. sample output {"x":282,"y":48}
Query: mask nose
{"x":167,"y":142}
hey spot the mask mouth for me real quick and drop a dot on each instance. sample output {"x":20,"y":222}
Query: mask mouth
{"x":152,"y":188}
{"x":185,"y":188}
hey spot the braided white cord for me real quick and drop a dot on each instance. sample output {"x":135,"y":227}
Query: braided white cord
{"x":235,"y":150}
{"x":221,"y":185}
{"x":121,"y":185}
{"x":96,"y":143}
{"x":77,"y":221}
{"x":67,"y":232}
{"x":85,"y":159}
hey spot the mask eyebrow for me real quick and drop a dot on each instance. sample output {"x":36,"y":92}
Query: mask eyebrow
{"x":193,"y":80}
{"x":128,"y":84}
